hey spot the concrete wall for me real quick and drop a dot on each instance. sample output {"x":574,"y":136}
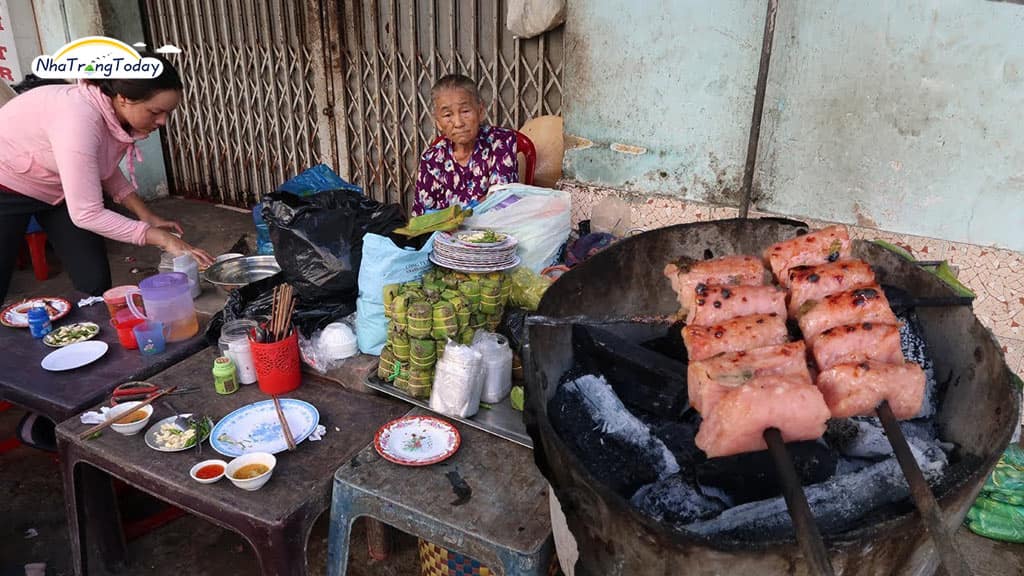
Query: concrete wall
{"x":26,"y":38}
{"x":672,"y":79}
{"x":901,"y":115}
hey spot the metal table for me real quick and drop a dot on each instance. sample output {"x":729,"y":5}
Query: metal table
{"x":276,"y":519}
{"x":61,"y":395}
{"x":506,"y":522}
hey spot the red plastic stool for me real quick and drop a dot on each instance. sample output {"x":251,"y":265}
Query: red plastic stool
{"x":37,"y":252}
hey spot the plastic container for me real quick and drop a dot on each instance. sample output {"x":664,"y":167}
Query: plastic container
{"x":497,"y":362}
{"x":234,"y":343}
{"x":278,"y":368}
{"x":188,"y":266}
{"x":39,"y":322}
{"x":263,"y":243}
{"x":224,"y":381}
{"x":151,"y":337}
{"x":116,"y":299}
{"x":126,"y":331}
{"x":167,"y":299}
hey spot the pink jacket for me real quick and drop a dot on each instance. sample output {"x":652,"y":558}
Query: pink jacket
{"x":65,"y":143}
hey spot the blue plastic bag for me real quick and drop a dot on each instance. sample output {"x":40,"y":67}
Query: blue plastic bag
{"x":383,"y":264}
{"x":315,"y":180}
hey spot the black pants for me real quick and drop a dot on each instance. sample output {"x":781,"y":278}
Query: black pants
{"x":83,"y":253}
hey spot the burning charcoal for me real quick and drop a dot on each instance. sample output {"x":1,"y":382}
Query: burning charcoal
{"x":671,"y":344}
{"x":751,"y":476}
{"x":863,"y":437}
{"x":613,"y":445}
{"x":838,"y":504}
{"x":675,"y":501}
{"x":915,"y":350}
{"x":678,"y":437}
{"x":644,"y":380}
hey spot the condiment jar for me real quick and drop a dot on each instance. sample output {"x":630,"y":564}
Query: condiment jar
{"x":39,"y":321}
{"x":234,"y":343}
{"x":224,"y":381}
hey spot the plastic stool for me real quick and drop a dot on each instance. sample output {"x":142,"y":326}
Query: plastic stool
{"x":35,"y":239}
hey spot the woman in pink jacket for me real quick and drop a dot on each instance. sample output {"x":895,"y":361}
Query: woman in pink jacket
{"x":60,"y":150}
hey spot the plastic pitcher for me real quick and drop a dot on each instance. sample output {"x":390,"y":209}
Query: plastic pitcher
{"x":168,"y":300}
{"x":116,"y":299}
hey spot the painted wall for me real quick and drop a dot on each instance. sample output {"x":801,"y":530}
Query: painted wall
{"x":901,"y":115}
{"x":25,"y":36}
{"x":896,"y":114}
{"x":672,"y":79}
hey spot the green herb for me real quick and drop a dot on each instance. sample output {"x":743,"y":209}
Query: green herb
{"x":486,"y":406}
{"x":94,"y":435}
{"x":517,"y":397}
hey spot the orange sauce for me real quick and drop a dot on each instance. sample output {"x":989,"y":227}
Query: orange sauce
{"x":133,"y":417}
{"x":250,"y":471}
{"x":209,"y":471}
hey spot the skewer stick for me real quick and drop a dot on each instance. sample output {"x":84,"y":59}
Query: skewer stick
{"x":952,"y":561}
{"x":808,"y":535}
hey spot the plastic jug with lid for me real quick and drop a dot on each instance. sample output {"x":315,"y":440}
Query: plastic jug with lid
{"x":168,"y":300}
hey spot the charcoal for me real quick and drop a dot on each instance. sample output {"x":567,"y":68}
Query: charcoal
{"x":678,"y":437}
{"x":671,"y":344}
{"x":751,"y":476}
{"x":915,"y":349}
{"x":676,"y":501}
{"x":863,"y":437}
{"x":838,"y":504}
{"x":613,"y":444}
{"x":645,"y":381}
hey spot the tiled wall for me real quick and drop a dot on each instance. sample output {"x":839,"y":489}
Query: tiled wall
{"x":996,"y":276}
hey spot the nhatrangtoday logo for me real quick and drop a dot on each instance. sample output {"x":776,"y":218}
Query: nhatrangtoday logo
{"x":99,"y":57}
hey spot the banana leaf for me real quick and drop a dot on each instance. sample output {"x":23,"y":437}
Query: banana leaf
{"x":390,"y":291}
{"x":441,"y":345}
{"x":466,"y":337}
{"x":419,"y":383}
{"x":490,"y":298}
{"x":400,"y":347}
{"x":445,"y":324}
{"x":411,"y":285}
{"x":420,"y":320}
{"x":471,"y":290}
{"x":448,"y":294}
{"x":386,"y":366}
{"x":478,"y":322}
{"x":400,"y":313}
{"x":493,"y":321}
{"x":402,"y":380}
{"x":422,"y":353}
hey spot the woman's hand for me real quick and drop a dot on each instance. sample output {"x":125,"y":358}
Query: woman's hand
{"x":176,"y":246}
{"x":158,"y":222}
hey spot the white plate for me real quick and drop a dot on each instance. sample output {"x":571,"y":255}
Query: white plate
{"x":474,"y":269}
{"x":256,"y":428}
{"x":155,"y":429}
{"x":74,"y":356}
{"x":417,"y":440}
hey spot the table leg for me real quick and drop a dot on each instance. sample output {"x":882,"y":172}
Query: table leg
{"x":344,"y":511}
{"x":71,"y":510}
{"x":280,"y":552}
{"x":102,"y":517}
{"x":516,"y":564}
{"x":379,"y":537}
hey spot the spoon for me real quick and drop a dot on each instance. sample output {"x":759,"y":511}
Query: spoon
{"x":180,"y":421}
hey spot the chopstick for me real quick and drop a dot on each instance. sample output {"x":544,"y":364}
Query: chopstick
{"x":281,"y":312}
{"x":808,"y":535}
{"x":103,"y":425}
{"x":952,"y":561}
{"x":284,"y":424}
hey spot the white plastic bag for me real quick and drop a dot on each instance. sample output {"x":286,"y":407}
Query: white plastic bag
{"x":328,"y":349}
{"x":497,"y":363}
{"x":538,"y":218}
{"x":529,"y":18}
{"x":458,"y":378}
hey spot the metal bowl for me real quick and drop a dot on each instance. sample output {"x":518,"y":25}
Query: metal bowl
{"x":230,"y":274}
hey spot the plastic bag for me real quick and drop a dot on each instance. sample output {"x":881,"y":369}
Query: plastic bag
{"x":538,"y":218}
{"x":528,"y":288}
{"x":497,"y":363}
{"x":998,"y":512}
{"x":255,"y":300}
{"x":317,"y":179}
{"x":328,"y":349}
{"x":318,"y":240}
{"x":384,"y":264}
{"x":458,"y":381}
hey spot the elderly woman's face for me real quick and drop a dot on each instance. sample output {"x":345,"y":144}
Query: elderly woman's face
{"x":458,"y":115}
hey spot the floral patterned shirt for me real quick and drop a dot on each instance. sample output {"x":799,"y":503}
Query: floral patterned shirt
{"x":442,"y":181}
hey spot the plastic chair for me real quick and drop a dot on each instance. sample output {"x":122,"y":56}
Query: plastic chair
{"x":525,"y":147}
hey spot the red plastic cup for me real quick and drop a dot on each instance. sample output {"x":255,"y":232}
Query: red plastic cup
{"x":125,"y":334}
{"x":278,"y":369}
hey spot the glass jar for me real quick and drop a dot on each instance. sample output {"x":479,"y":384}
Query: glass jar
{"x":234,"y":343}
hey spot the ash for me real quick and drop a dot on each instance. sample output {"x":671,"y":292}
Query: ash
{"x":613,"y":444}
{"x":915,"y":349}
{"x":676,"y":501}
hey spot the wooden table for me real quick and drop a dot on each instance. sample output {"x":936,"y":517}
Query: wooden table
{"x":61,"y":395}
{"x":276,"y":519}
{"x":505,"y":523}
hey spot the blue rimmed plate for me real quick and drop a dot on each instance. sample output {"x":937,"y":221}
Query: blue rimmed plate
{"x":255,"y":427}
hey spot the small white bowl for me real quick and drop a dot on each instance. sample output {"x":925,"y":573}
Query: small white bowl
{"x":124,"y":409}
{"x":256,"y":483}
{"x":223,"y":467}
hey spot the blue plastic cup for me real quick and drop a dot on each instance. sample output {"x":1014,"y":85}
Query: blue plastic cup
{"x":151,"y":336}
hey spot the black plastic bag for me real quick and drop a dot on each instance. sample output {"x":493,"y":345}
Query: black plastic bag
{"x":254,"y":301}
{"x":318,"y":240}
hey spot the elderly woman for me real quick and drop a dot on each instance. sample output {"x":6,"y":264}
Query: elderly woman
{"x":470,"y":158}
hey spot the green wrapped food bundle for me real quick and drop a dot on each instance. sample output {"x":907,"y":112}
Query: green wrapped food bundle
{"x":419,"y":383}
{"x":445,"y":324}
{"x":441,"y":345}
{"x":420,"y":319}
{"x":471,"y":290}
{"x":422,"y":353}
{"x":386,"y":366}
{"x":490,"y":297}
{"x":399,"y":313}
{"x":390,"y":292}
{"x":402,"y":380}
{"x":400,"y":347}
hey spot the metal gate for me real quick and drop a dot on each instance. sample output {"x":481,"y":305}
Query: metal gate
{"x":254,"y":88}
{"x":267,"y":82}
{"x":392,"y":53}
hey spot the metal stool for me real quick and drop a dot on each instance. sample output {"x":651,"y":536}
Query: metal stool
{"x":505,"y":524}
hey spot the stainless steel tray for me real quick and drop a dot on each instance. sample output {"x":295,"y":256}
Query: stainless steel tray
{"x":500,"y":419}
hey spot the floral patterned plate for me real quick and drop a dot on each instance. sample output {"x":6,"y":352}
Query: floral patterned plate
{"x":417,"y":440}
{"x":255,"y":428}
{"x":16,"y":315}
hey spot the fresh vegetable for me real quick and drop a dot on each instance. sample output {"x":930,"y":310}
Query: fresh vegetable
{"x":482,"y":237}
{"x":71,"y":333}
{"x":517,"y":397}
